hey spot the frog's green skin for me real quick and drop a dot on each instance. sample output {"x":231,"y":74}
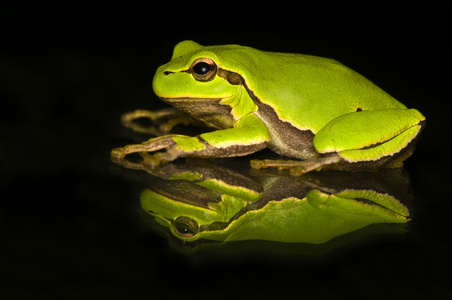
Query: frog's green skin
{"x":208,"y":205}
{"x":304,"y":107}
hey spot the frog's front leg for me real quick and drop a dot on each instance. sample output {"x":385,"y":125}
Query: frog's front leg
{"x":248,"y":136}
{"x":118,"y":155}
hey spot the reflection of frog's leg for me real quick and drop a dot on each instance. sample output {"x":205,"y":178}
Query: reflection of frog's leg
{"x":296,"y":167}
{"x":363,"y":206}
{"x":172,"y":115}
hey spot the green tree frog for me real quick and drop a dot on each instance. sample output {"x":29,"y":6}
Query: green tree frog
{"x":311,"y":109}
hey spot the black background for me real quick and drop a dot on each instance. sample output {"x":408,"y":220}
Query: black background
{"x":70,"y":218}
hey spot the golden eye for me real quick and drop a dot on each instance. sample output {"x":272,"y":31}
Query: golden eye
{"x":203,"y":69}
{"x":185,"y":226}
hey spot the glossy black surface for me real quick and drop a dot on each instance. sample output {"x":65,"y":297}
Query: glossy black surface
{"x":71,"y":221}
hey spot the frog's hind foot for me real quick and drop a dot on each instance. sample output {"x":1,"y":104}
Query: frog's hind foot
{"x":295,"y":167}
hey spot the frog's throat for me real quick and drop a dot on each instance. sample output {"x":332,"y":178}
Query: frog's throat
{"x":198,"y":106}
{"x":206,"y":110}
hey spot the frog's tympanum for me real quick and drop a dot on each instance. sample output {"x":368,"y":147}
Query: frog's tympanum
{"x":210,"y":202}
{"x":314,"y":110}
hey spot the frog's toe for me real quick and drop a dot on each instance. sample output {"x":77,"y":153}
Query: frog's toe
{"x":117,"y":154}
{"x":258,"y":164}
{"x":153,"y":161}
{"x":297,"y":171}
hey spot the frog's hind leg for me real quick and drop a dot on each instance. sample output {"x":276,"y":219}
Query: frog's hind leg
{"x":297,"y":167}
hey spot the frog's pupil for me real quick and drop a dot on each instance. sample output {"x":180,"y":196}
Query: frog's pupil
{"x":201,"y":68}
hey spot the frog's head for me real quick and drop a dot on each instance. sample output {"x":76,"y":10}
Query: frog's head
{"x":197,"y":79}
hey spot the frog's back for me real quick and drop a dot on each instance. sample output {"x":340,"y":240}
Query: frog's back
{"x":307,"y":91}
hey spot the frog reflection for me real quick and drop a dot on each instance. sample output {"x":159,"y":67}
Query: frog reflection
{"x":210,"y":202}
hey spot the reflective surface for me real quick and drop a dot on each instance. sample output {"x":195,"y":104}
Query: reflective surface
{"x":217,"y":203}
{"x":72,"y":222}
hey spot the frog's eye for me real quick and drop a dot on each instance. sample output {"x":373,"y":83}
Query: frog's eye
{"x":185,"y":226}
{"x":203,"y":69}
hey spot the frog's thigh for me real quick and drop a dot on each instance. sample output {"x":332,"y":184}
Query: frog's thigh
{"x":369,"y":135}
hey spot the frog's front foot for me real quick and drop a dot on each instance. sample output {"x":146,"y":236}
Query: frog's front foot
{"x":172,"y":116}
{"x":118,"y":155}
